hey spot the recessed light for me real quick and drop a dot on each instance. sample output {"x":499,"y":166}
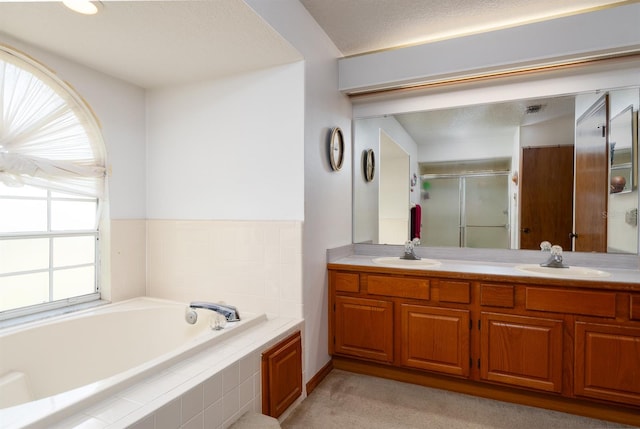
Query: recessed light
{"x":84,"y":7}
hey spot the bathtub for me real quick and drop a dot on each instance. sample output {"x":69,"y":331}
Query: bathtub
{"x":64,"y":364}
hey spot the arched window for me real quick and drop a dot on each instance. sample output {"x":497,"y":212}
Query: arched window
{"x":52,"y":186}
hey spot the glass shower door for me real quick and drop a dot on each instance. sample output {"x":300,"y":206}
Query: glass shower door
{"x":486,"y":212}
{"x":467,"y":211}
{"x":441,"y":213}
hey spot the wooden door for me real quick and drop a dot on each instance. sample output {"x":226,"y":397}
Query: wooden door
{"x":364,"y":328}
{"x":521,"y":351}
{"x":592,"y":184}
{"x":435,"y":339}
{"x":546,"y":196}
{"x":608,"y":362}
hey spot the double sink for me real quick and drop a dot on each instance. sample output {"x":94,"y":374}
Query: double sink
{"x":533,"y":269}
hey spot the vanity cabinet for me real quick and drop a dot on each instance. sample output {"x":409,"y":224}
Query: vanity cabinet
{"x":396,"y":320}
{"x":530,"y":340}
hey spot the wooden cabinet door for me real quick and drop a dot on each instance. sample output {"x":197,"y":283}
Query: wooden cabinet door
{"x":435,"y":339}
{"x":281,"y":375}
{"x":607,"y":362}
{"x":521,"y":351}
{"x":364,"y":328}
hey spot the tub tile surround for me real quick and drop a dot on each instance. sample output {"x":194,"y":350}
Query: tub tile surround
{"x":127,"y":260}
{"x":212,"y":389}
{"x":254,"y":265}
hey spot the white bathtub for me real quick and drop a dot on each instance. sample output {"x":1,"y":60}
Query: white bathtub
{"x":66,"y":363}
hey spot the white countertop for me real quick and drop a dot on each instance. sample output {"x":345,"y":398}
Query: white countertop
{"x":616,"y":275}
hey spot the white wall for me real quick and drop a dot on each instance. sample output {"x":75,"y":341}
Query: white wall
{"x":229,"y":148}
{"x":496,"y":145}
{"x":225,"y":186}
{"x":327,"y":194}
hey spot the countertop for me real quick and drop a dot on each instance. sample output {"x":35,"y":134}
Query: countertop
{"x":493,"y":270}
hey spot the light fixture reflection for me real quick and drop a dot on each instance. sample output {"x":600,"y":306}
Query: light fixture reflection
{"x":84,"y":7}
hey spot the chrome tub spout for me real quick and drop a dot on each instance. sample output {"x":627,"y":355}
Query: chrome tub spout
{"x":229,"y":312}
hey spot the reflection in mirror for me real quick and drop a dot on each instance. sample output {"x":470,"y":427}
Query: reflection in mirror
{"x":474,"y":188}
{"x":393,"y":220}
{"x":622,"y":151}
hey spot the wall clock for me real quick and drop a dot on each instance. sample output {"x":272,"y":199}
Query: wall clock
{"x":336,"y":149}
{"x":369,"y":166}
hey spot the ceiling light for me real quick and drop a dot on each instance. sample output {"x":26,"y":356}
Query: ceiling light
{"x":84,"y":7}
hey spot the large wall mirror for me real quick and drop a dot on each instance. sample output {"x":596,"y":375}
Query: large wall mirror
{"x":507,"y":174}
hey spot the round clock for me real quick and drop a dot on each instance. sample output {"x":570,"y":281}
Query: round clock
{"x":369,"y":166}
{"x":336,"y":149}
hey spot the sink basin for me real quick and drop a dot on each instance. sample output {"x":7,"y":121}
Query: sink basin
{"x":571,"y":272}
{"x":397,"y":262}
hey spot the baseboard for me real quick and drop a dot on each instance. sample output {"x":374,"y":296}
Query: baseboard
{"x":594,"y":410}
{"x":320,"y":375}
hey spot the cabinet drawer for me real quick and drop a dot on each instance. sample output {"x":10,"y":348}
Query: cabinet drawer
{"x":588,"y":303}
{"x":454,"y":291}
{"x":634,"y":311}
{"x":402,"y":287}
{"x":346,"y":282}
{"x":497,"y":295}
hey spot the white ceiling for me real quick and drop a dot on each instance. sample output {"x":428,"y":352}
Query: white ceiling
{"x":360,"y":26}
{"x":152,"y":43}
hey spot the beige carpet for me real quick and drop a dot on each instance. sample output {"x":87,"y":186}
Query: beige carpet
{"x":349,"y":401}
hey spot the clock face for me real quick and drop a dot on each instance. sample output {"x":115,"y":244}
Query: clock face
{"x":336,"y":149}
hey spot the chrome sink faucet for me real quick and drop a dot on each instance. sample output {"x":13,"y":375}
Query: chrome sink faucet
{"x":555,"y":259}
{"x":229,"y":312}
{"x":409,"y":250}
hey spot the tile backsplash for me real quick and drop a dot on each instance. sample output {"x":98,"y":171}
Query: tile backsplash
{"x":254,"y":265}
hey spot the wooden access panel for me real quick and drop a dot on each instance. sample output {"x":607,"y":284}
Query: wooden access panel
{"x":281,"y":375}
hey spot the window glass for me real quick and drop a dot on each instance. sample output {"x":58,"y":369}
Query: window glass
{"x":23,"y":290}
{"x":73,"y":282}
{"x":24,"y":255}
{"x":73,"y":215}
{"x":22,"y":215}
{"x":70,"y":251}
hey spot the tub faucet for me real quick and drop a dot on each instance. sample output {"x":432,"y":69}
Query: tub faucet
{"x":410,"y":251}
{"x":555,"y":260}
{"x":229,"y":312}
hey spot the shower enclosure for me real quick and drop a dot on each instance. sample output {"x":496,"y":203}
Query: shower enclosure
{"x":469,"y":210}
